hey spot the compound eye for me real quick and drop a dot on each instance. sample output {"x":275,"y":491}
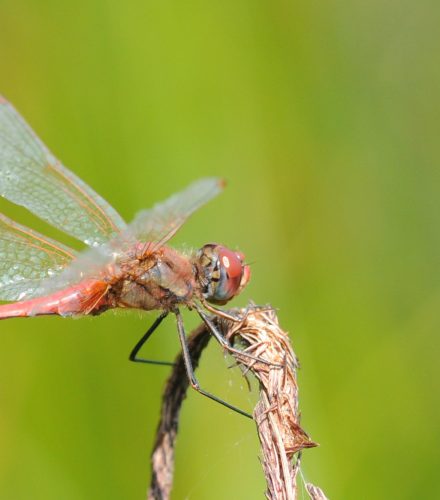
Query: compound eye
{"x":223,"y":273}
{"x":231,"y":262}
{"x":230,"y":267}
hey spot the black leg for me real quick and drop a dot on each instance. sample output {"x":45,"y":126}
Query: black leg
{"x":190,"y":371}
{"x":225,"y":344}
{"x":141,"y":342}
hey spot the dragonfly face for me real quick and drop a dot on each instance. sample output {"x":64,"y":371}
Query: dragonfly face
{"x":223,"y":273}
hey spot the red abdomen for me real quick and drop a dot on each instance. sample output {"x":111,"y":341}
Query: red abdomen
{"x":86,"y":297}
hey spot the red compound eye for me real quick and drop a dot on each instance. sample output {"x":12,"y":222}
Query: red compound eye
{"x":231,"y":262}
{"x":233,"y":274}
{"x":224,"y":271}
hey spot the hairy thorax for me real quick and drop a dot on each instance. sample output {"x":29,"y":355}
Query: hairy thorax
{"x":160,"y":280}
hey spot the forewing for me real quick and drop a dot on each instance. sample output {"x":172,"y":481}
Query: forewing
{"x":149,"y":230}
{"x":26,"y":259}
{"x":32,"y":177}
{"x":160,"y":223}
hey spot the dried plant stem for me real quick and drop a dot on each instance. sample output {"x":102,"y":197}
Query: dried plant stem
{"x":276,"y":413}
{"x":162,"y":457}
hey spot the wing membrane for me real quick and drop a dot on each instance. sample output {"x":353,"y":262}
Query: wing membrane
{"x":162,"y":221}
{"x":32,"y":177}
{"x":152,"y":227}
{"x":26,"y":259}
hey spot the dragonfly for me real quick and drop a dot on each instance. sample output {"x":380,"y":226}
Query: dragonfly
{"x":126,"y":266}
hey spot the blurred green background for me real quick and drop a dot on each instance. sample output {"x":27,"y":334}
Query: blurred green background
{"x":324,"y":119}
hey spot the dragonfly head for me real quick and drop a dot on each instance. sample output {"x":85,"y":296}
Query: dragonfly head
{"x":222,"y":273}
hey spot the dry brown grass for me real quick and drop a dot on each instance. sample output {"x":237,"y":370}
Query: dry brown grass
{"x":276,"y":414}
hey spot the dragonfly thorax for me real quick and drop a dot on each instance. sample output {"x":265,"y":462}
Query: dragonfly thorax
{"x":162,"y":280}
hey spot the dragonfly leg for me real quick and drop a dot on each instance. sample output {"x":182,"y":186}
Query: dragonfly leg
{"x":221,"y":313}
{"x":237,"y":318}
{"x":225,"y":344}
{"x":138,"y":346}
{"x":190,"y":371}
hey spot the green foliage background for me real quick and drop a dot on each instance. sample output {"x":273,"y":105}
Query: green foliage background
{"x":323,"y":117}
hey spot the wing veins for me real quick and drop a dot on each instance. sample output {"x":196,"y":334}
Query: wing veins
{"x":28,"y":235}
{"x":20,"y":125}
{"x":27,"y":258}
{"x":104,"y":221}
{"x":19,"y":149}
{"x":26,"y":243}
{"x":35,"y":179}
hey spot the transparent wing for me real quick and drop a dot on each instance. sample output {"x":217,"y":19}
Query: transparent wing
{"x":26,"y":259}
{"x":158,"y":224}
{"x":32,"y":177}
{"x":149,"y":230}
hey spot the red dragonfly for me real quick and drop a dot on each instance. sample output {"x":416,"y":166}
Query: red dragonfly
{"x":125,"y":266}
